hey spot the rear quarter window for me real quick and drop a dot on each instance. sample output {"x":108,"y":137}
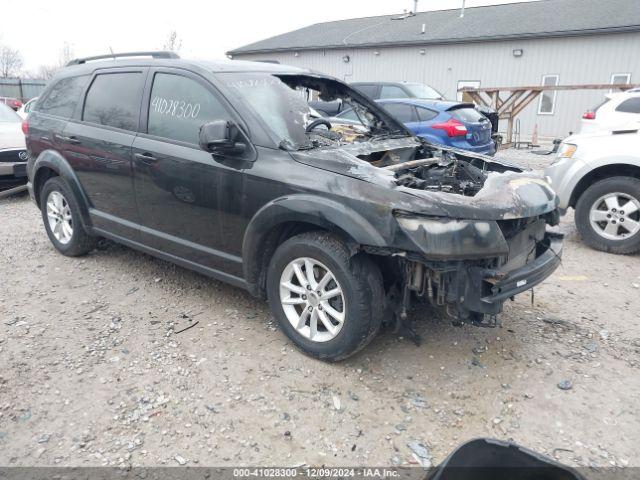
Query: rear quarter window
{"x":468,"y":115}
{"x":63,"y":97}
{"x":632,"y":105}
{"x":425,"y":114}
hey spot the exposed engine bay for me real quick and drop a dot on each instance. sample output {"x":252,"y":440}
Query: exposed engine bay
{"x":454,"y":176}
{"x":415,"y":163}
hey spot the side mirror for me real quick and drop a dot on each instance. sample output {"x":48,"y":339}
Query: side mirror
{"x":220,"y":137}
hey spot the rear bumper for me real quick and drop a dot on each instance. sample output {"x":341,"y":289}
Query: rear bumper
{"x":487,"y":289}
{"x":486,"y":149}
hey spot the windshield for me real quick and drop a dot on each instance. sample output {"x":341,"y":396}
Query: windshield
{"x":281,"y":102}
{"x":420,"y":90}
{"x":281,"y":107}
{"x":8,"y":115}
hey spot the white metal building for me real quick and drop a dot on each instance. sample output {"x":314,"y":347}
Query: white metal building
{"x":562,"y":42}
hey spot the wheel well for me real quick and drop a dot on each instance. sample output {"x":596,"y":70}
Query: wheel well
{"x":42,"y":175}
{"x":279,"y":234}
{"x":601,"y":173}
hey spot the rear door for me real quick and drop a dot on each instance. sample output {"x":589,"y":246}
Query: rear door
{"x":97,"y":144}
{"x":403,"y":112}
{"x":186,"y":198}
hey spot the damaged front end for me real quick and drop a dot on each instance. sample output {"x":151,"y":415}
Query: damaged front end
{"x":460,"y":230}
{"x":471,"y":231}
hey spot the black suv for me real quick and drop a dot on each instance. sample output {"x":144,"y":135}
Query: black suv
{"x":222,"y":168}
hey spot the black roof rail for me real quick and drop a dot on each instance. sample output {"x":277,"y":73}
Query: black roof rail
{"x":159,"y":54}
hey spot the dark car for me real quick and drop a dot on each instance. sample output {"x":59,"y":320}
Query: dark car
{"x":441,"y":122}
{"x":13,"y":152}
{"x":222,"y":168}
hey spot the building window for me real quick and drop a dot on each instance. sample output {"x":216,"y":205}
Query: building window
{"x":463,"y":96}
{"x":547,"y":103}
{"x":620,"y":79}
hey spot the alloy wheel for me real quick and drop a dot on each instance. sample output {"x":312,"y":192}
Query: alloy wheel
{"x":59,"y":216}
{"x":312,"y":299}
{"x":615,"y":216}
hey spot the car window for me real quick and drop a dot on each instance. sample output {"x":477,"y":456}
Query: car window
{"x":391,"y":91}
{"x":180,"y":106}
{"x":425,"y":114}
{"x":62,"y":98}
{"x":404,"y":113}
{"x":467,"y":115}
{"x":7,"y":115}
{"x":368,"y":90}
{"x":114,"y":100}
{"x":29,"y":106}
{"x":349,"y":115}
{"x":632,"y":105}
{"x":600,"y":105}
{"x":420,"y":90}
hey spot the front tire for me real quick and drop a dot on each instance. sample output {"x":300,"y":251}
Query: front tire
{"x":608,"y":215}
{"x":62,"y":221}
{"x":328,"y":302}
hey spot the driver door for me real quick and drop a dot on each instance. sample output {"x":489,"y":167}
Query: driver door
{"x":184,"y":196}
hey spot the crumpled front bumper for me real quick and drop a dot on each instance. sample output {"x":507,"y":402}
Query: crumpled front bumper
{"x":486,"y":289}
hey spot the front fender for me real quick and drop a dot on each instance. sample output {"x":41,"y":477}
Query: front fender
{"x":52,"y":160}
{"x":303,"y":208}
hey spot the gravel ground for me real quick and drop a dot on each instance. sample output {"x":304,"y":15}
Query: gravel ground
{"x":94,"y":371}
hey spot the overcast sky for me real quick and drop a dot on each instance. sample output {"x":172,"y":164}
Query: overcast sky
{"x":207,"y":29}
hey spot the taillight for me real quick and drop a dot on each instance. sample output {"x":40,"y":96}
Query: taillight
{"x":589,"y":115}
{"x":453,"y":128}
{"x":25,"y":126}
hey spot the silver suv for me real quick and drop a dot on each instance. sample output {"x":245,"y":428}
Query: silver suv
{"x":598,"y":174}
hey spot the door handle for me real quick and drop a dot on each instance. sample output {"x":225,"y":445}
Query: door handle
{"x":71,"y":139}
{"x":145,"y":157}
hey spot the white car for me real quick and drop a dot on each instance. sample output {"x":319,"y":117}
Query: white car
{"x":617,"y":109}
{"x":24,"y":110}
{"x":598,"y":174}
{"x":13,"y":151}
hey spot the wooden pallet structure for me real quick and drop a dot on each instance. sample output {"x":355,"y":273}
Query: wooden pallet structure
{"x":509,"y":102}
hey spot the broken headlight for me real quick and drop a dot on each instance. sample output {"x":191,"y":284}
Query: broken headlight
{"x":448,"y":238}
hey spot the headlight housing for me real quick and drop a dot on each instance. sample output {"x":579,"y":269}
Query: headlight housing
{"x":567,"y":150}
{"x":449,"y":238}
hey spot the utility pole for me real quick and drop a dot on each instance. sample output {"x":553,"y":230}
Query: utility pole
{"x":462,"y":9}
{"x":415,"y":6}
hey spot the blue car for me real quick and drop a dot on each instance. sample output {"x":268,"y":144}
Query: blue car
{"x":454,"y":124}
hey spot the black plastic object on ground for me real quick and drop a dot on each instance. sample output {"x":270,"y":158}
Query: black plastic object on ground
{"x":489,"y":459}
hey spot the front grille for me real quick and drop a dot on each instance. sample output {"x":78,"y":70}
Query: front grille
{"x":19,"y":155}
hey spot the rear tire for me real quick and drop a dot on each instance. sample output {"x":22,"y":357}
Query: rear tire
{"x":62,"y":219}
{"x":603,"y":209}
{"x":360,"y":302}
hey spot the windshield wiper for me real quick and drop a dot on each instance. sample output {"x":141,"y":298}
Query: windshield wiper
{"x":290,"y":146}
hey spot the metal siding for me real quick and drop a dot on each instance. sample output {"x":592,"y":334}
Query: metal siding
{"x":577,"y":60}
{"x":23,"y":90}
